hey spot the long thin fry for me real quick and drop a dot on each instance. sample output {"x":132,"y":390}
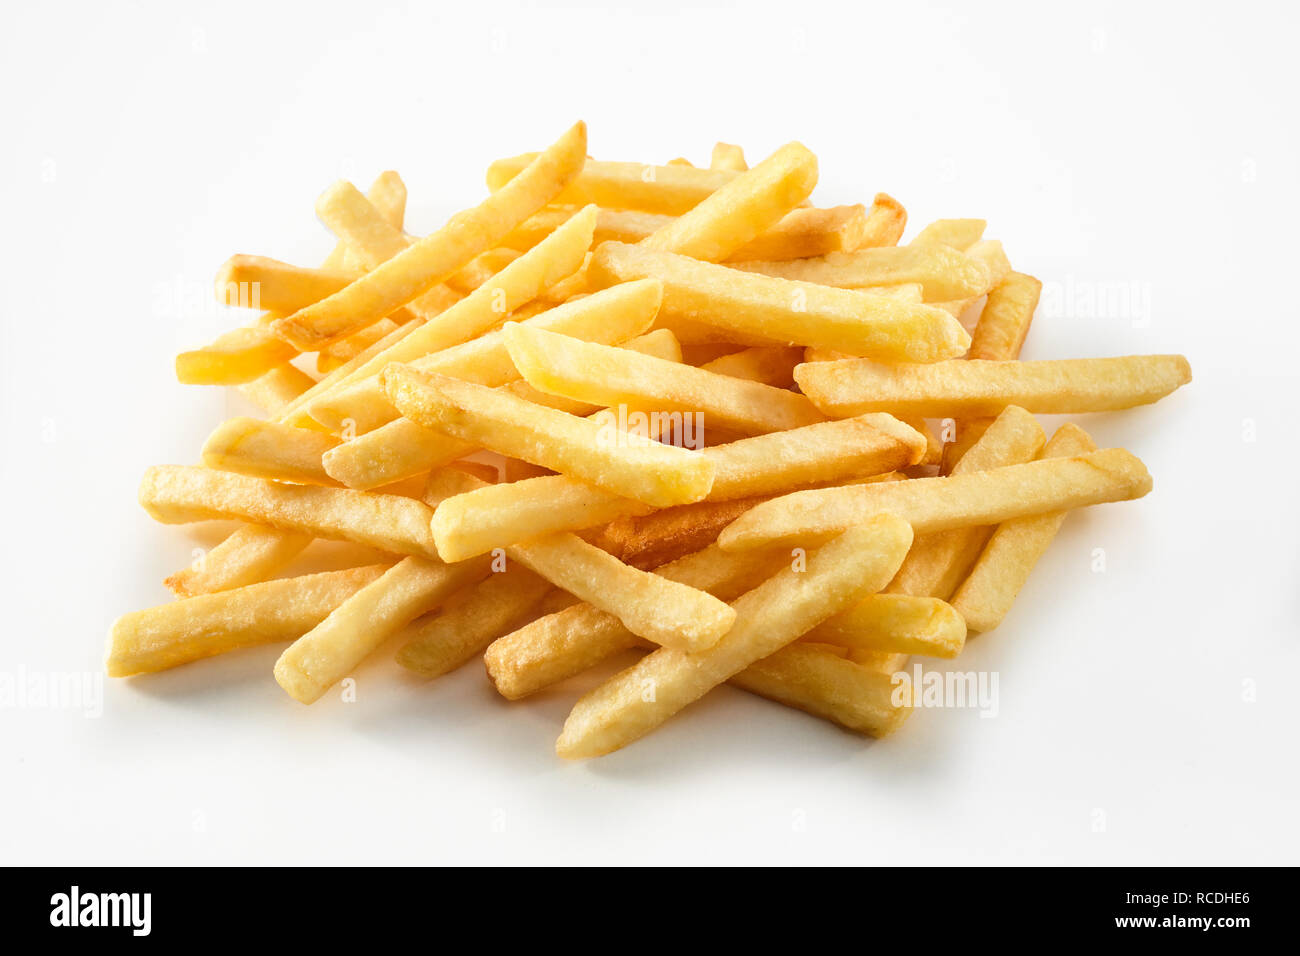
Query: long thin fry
{"x":668,"y":190}
{"x":944,"y":273}
{"x":895,"y":624}
{"x":269,"y":450}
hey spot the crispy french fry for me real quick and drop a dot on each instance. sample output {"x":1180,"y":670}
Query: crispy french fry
{"x":166,"y":636}
{"x":728,"y":156}
{"x":424,"y":264}
{"x":937,"y":504}
{"x":329,"y":652}
{"x":1004,"y":322}
{"x":970,"y":388}
{"x":990,"y":589}
{"x":824,"y":684}
{"x":784,"y":311}
{"x":441,"y":642}
{"x":962,"y":435}
{"x":281,"y":287}
{"x":603,"y":375}
{"x":938,"y":562}
{"x":831,"y":451}
{"x":884,"y":225}
{"x":804,"y":232}
{"x":269,"y":450}
{"x":790,"y":603}
{"x":742,"y":209}
{"x":179,"y":494}
{"x":943,"y":272}
{"x":895,"y":624}
{"x":960,"y":234}
{"x":772,"y":365}
{"x":638,"y":468}
{"x":648,"y":541}
{"x":274,"y":390}
{"x":239,"y":356}
{"x":249,"y":555}
{"x":668,"y":190}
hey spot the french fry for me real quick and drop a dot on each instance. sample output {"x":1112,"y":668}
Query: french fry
{"x":790,"y":603}
{"x":619,"y":225}
{"x":943,"y":272}
{"x":345,"y":350}
{"x":960,"y":234}
{"x":158,"y":638}
{"x":274,"y":390}
{"x":770,"y":365}
{"x":784,"y":311}
{"x":728,"y":156}
{"x":742,"y":209}
{"x":895,"y":624}
{"x":330,"y":651}
{"x":1004,"y":322}
{"x":180,"y":494}
{"x":938,"y":562}
{"x":990,"y":589}
{"x":648,"y":541}
{"x":937,"y":504}
{"x":486,"y":265}
{"x":424,"y":264}
{"x":963,"y":435}
{"x":808,"y":231}
{"x":667,"y":190}
{"x":824,"y":684}
{"x":971,"y":388}
{"x":603,"y":375}
{"x":269,"y":450}
{"x":638,"y":468}
{"x":441,"y":642}
{"x":251,"y":554}
{"x":989,"y":252}
{"x":886,"y":220}
{"x":769,"y":464}
{"x":281,"y":287}
{"x":239,"y":356}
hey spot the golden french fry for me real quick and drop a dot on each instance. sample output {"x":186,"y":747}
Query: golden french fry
{"x":648,"y":541}
{"x":274,"y":390}
{"x":970,"y":388}
{"x":330,"y":651}
{"x":269,"y":450}
{"x":439,"y":643}
{"x":619,"y":225}
{"x":345,"y":350}
{"x":885,"y":222}
{"x":630,"y":465}
{"x":990,"y":253}
{"x":485,"y":265}
{"x":990,"y":589}
{"x":262,"y":613}
{"x":895,"y":624}
{"x":603,"y":375}
{"x":728,"y":156}
{"x":278,"y":286}
{"x":938,"y":562}
{"x":771,"y":365}
{"x":668,"y":190}
{"x":742,"y":209}
{"x":1004,"y":322}
{"x":824,"y":684}
{"x":960,"y":234}
{"x":960,"y":436}
{"x":239,"y":356}
{"x":936,"y":504}
{"x":804,"y":232}
{"x":784,"y":311}
{"x":427,"y":262}
{"x":249,"y":555}
{"x":793,"y":601}
{"x":500,"y":515}
{"x":179,"y":494}
{"x":943,"y":272}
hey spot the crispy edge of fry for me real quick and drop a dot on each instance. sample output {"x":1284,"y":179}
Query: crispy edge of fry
{"x":961,"y":234}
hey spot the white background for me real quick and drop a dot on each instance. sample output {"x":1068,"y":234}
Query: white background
{"x":1146,"y":713}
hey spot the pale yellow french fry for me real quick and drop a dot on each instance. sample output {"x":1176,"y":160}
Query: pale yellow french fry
{"x":500,"y":515}
{"x":885,"y":222}
{"x":269,"y":450}
{"x":251,"y":554}
{"x":938,"y":562}
{"x":943,"y":272}
{"x":771,"y":365}
{"x":895,"y":624}
{"x":166,"y":636}
{"x":279,"y":286}
{"x":784,"y":311}
{"x":235,"y":358}
{"x":960,"y":234}
{"x":743,"y":209}
{"x":728,"y":156}
{"x":822,"y":683}
{"x":971,"y":388}
{"x":990,"y":253}
{"x":604,"y":375}
{"x":959,"y":436}
{"x":1004,"y":322}
{"x":424,"y":264}
{"x":483,"y":267}
{"x":668,"y":190}
{"x":345,"y":350}
{"x":332,"y":649}
{"x":613,"y":316}
{"x":636,"y":467}
{"x":441,"y":642}
{"x":180,"y":494}
{"x":933,"y":446}
{"x":274,"y":390}
{"x":857,"y":563}
{"x":936,"y":504}
{"x":804,"y":232}
{"x":990,"y":589}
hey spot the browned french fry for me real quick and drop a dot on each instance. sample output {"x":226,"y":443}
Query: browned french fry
{"x":1004,"y":323}
{"x":648,"y":541}
{"x":943,"y":272}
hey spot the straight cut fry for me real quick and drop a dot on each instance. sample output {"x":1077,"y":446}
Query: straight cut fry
{"x":784,"y":311}
{"x":960,"y":234}
{"x":990,"y":589}
{"x":728,"y":156}
{"x":791,"y":602}
{"x":936,"y":504}
{"x":1004,"y":322}
{"x":895,"y":624}
{"x":421,"y":266}
{"x":269,"y":450}
{"x":971,"y":388}
{"x":667,"y":190}
{"x":252,"y":553}
{"x":263,"y":613}
{"x":943,"y":272}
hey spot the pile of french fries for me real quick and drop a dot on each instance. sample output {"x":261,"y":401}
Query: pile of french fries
{"x":613,"y":407}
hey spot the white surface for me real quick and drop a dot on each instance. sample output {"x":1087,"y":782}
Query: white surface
{"x":1114,"y":148}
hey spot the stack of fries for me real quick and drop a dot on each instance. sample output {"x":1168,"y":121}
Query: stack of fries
{"x":618,"y":406}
